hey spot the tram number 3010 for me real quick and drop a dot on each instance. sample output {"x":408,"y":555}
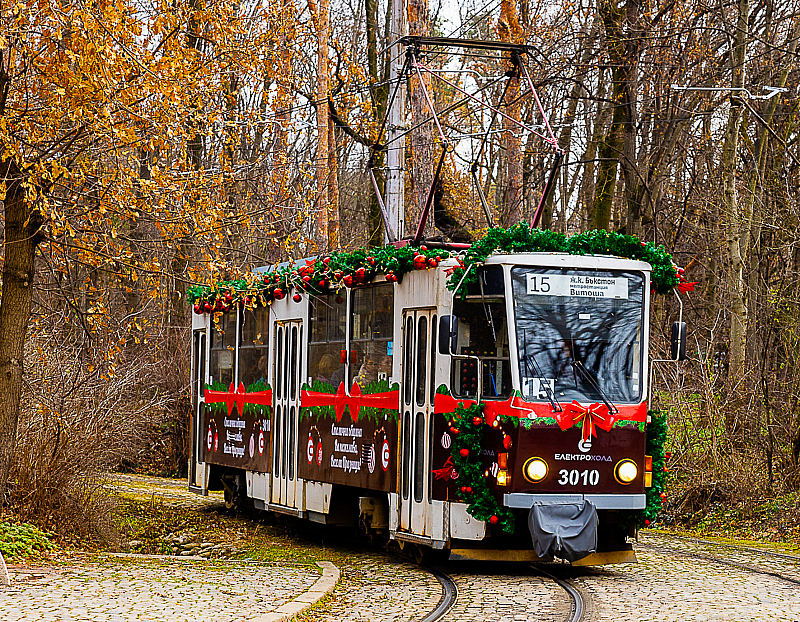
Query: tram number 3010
{"x":586,"y":477}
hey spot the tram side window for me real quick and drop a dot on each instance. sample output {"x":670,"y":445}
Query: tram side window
{"x":482,"y":333}
{"x":223,"y":341}
{"x":371,"y":331}
{"x":253,"y":346}
{"x":327,"y":339}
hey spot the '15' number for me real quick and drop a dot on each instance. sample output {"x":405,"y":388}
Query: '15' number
{"x":587,"y":478}
{"x":542,"y":286}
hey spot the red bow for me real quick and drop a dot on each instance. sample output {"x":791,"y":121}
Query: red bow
{"x":238,"y":396}
{"x":446,"y":472}
{"x":355,"y":401}
{"x":588,"y":416}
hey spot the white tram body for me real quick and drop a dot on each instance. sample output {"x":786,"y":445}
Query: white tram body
{"x":295,"y":447}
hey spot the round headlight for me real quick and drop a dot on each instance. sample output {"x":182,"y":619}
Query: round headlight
{"x":534,"y":470}
{"x":626,"y":471}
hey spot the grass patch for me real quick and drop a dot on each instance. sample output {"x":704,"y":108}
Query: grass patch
{"x":23,"y":540}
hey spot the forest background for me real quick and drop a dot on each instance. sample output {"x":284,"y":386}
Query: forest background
{"x":147,"y":146}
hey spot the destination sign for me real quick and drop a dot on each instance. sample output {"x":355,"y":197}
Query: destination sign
{"x":577,"y":286}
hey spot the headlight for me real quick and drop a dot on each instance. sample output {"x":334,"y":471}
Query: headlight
{"x":625,"y":471}
{"x":534,"y":470}
{"x":502,"y":477}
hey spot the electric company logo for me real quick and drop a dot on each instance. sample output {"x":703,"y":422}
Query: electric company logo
{"x":581,"y":457}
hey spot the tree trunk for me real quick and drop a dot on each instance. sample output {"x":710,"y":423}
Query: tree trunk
{"x":375,"y":228}
{"x":322,"y":21}
{"x":735,"y":225}
{"x":333,"y":191}
{"x":22,"y":226}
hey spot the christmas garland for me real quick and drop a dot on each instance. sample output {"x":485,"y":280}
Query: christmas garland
{"x":656,"y":495}
{"x":315,"y":276}
{"x":520,"y":238}
{"x":465,"y":451}
{"x":344,"y":269}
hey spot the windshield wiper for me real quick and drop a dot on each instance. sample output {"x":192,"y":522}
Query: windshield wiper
{"x":529,"y":359}
{"x":579,"y":368}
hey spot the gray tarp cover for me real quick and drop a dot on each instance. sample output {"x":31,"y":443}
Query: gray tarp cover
{"x":564,"y":530}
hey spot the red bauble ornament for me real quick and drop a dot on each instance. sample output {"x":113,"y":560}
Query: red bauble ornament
{"x":455,"y":431}
{"x":371,"y":261}
{"x":423,"y":248}
{"x":326,"y":261}
{"x":338,"y":275}
{"x":197,"y":308}
{"x":464,"y":452}
{"x":322,"y":284}
{"x":348,"y":281}
{"x":339,"y":300}
{"x":463,"y":490}
{"x":361,"y":274}
{"x":507,"y":442}
{"x":493,"y":520}
{"x":476,"y":421}
{"x":228,"y":298}
{"x":420,"y":263}
{"x":297,"y":297}
{"x":646,"y":522}
{"x":277,"y":293}
{"x":306,"y":279}
{"x":469,"y":490}
{"x":207,"y":307}
{"x":432,"y":263}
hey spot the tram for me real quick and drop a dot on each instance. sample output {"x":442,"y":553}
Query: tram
{"x":491,"y":409}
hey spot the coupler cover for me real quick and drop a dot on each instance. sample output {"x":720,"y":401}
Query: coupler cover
{"x":564,"y":530}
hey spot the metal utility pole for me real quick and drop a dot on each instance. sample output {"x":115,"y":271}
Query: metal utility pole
{"x":395,"y":158}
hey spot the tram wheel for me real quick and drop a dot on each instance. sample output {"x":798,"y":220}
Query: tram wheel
{"x":420,"y":554}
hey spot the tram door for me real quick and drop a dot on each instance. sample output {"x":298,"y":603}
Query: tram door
{"x":287,"y":353}
{"x":416,"y":426}
{"x":198,"y":403}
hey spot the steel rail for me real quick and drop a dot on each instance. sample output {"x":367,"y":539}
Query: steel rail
{"x":577,"y":608}
{"x":448,"y":599}
{"x":722,"y":561}
{"x":730,"y":545}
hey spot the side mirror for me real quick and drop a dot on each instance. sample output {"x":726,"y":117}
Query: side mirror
{"x":447,"y":334}
{"x":678,"y":342}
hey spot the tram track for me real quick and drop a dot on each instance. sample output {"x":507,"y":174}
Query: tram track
{"x":735,"y":547}
{"x":448,"y":599}
{"x":726,"y":562}
{"x":577,"y":608}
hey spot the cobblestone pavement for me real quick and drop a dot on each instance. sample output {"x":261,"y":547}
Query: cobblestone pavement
{"x":673,"y":585}
{"x":379,"y":588}
{"x":676,"y":579}
{"x":152,"y":589}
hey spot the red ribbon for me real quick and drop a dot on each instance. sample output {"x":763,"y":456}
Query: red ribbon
{"x":572,"y":413}
{"x":389,"y":400}
{"x":446,"y":472}
{"x":238,"y":396}
{"x":590,"y":417}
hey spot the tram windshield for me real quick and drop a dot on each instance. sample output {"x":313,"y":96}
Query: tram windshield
{"x":579,"y":334}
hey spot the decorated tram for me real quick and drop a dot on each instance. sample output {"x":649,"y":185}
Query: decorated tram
{"x":487,"y":402}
